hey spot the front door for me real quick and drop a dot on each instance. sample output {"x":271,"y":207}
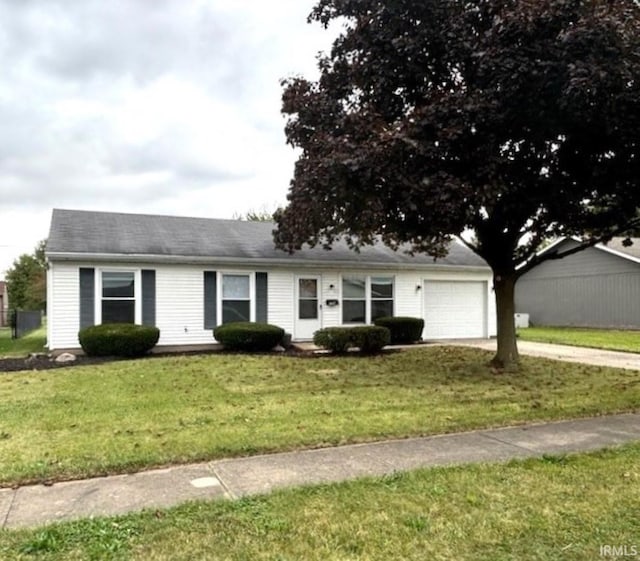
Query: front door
{"x":307,"y":307}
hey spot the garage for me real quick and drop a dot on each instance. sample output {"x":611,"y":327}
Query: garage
{"x":455,"y":309}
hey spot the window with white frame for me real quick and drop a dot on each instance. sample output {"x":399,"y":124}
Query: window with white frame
{"x":381,"y":297}
{"x":118,"y":301}
{"x":366,"y":298}
{"x":354,"y":299}
{"x":236,"y":298}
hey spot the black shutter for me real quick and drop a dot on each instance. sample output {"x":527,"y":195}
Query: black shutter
{"x":262,"y":303}
{"x":87,"y":297}
{"x":149,"y":297}
{"x":210,"y":299}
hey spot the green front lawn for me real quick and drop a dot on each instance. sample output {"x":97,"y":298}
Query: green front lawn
{"x":612,"y":339}
{"x":550,"y":509}
{"x":32,"y":342}
{"x":129,"y":415}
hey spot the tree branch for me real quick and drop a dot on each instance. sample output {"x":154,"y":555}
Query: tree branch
{"x":470,"y":245}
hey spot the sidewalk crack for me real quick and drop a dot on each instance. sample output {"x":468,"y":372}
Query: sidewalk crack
{"x":227,"y":491}
{"x":6,"y":517}
{"x":491,"y":437}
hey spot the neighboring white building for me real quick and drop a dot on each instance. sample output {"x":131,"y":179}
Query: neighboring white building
{"x":187,"y":275}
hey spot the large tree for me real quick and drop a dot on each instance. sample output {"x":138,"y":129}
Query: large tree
{"x":501,"y":122}
{"x":27,"y":280}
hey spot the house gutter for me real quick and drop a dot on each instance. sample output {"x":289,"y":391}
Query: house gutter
{"x":253,"y":261}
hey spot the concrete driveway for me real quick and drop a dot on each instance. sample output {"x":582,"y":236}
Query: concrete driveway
{"x":584,"y":355}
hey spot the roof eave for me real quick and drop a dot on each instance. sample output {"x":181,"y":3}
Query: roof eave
{"x":618,"y":253}
{"x":254,"y":261}
{"x":599,"y":246}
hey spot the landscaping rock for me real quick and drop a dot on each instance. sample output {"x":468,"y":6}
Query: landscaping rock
{"x":39,"y":361}
{"x":65,"y":357}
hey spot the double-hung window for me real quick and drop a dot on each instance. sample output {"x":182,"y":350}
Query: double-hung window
{"x":236,"y":298}
{"x":118,"y":297}
{"x":366,"y":298}
{"x":354,"y":299}
{"x":381,"y":297}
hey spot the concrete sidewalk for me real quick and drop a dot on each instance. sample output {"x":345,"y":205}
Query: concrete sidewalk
{"x":567,"y":353}
{"x":38,"y":504}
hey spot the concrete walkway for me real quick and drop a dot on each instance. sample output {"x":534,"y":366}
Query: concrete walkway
{"x":39,"y":504}
{"x":584,"y":355}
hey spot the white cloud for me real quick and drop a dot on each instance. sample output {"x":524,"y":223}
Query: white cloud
{"x":167,"y":106}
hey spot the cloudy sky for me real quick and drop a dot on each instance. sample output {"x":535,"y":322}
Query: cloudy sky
{"x":154,"y":106}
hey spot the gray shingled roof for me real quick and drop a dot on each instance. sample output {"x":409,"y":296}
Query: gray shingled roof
{"x":104,"y":233}
{"x":632,"y":250}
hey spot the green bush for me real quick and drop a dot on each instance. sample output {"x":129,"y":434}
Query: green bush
{"x":248,"y":336}
{"x":334,"y":339}
{"x":404,"y":330}
{"x":118,"y":339}
{"x":368,"y":338}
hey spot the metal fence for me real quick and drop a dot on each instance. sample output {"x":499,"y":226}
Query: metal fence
{"x":24,"y":321}
{"x":4,"y":318}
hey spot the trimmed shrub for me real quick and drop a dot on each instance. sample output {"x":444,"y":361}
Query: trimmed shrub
{"x":404,"y":330}
{"x":368,"y":338}
{"x":248,"y":336}
{"x":118,"y":339}
{"x":335,"y":339}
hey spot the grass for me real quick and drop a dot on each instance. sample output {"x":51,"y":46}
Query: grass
{"x":549,"y":509}
{"x":612,"y":339}
{"x":32,"y":342}
{"x":128,"y":415}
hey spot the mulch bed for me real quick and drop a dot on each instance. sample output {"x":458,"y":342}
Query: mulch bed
{"x":44,"y":362}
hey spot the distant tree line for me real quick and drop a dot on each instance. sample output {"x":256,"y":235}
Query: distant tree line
{"x":27,"y":280}
{"x":262,"y":215}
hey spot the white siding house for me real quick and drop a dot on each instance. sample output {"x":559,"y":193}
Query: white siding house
{"x":188,"y":275}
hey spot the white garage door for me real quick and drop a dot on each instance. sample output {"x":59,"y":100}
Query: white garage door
{"x":455,"y":309}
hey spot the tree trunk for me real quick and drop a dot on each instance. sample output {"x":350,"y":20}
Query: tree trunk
{"x":507,"y":353}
